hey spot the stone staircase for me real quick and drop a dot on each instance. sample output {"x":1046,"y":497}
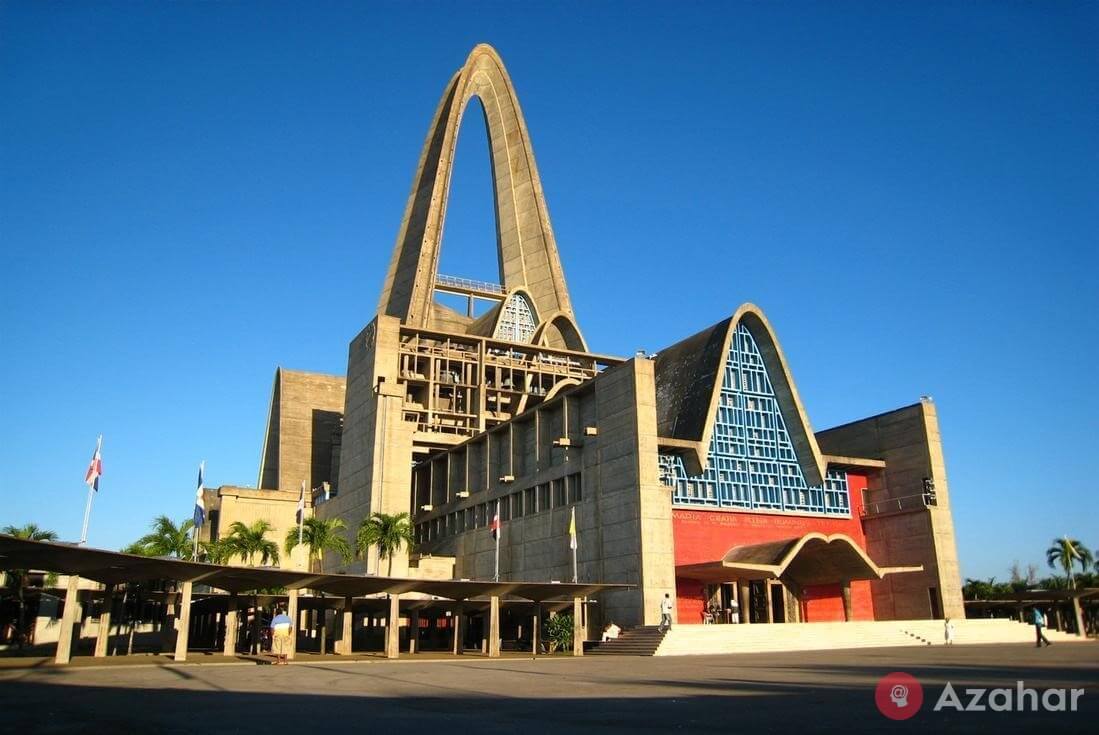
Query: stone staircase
{"x":688,"y":640}
{"x":644,"y":640}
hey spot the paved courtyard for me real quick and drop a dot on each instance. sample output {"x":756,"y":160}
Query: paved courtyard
{"x":759,"y":693}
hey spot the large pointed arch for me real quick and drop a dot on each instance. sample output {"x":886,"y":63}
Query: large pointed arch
{"x":527,"y":249}
{"x":688,"y":384}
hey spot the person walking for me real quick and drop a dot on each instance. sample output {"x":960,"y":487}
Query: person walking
{"x":665,"y":613}
{"x":1039,"y":621}
{"x":948,"y":631}
{"x":281,"y":629}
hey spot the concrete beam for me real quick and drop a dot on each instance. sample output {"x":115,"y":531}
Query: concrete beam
{"x":184,"y":622}
{"x":68,"y":618}
{"x":104,"y":634}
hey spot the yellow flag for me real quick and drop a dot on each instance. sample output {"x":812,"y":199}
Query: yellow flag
{"x":572,"y":530}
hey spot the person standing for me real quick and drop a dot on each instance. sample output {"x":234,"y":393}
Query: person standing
{"x":734,"y":611}
{"x":1039,"y":621}
{"x":948,"y":631}
{"x":281,"y":630}
{"x":665,"y":613}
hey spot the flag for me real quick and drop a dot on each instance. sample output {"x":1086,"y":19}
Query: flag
{"x":95,"y":467}
{"x":300,"y":515}
{"x":572,"y":530}
{"x":495,"y":525}
{"x":200,"y":501}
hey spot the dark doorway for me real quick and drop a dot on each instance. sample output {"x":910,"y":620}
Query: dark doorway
{"x":936,"y":608}
{"x":757,"y":592}
{"x":778,"y":603}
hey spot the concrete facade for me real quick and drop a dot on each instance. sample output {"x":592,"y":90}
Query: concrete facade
{"x":449,"y":416}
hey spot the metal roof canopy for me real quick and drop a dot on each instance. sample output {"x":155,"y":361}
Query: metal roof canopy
{"x":112,"y":567}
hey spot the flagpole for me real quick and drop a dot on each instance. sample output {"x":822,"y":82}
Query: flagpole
{"x":301,"y":513}
{"x":499,"y":531}
{"x":573,"y":543}
{"x":91,"y":492}
{"x":87,"y":516}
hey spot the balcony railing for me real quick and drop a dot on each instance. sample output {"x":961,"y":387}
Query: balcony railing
{"x":902,"y":504}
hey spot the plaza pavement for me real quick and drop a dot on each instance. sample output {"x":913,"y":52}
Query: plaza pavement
{"x":820,"y":691}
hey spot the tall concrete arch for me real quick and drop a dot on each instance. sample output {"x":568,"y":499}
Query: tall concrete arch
{"x":527,"y":250}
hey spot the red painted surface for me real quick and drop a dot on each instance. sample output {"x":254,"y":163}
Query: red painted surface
{"x":706,"y":535}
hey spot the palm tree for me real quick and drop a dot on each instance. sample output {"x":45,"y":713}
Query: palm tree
{"x":1066,"y":552}
{"x":218,"y":551}
{"x":250,"y":541}
{"x":320,"y":535}
{"x":20,"y":578}
{"x":166,"y":539}
{"x":388,"y":532}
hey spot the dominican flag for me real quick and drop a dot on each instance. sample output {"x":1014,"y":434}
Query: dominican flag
{"x":200,"y":502}
{"x":495,"y":525}
{"x":95,"y":467}
{"x":572,"y":530}
{"x":300,"y":515}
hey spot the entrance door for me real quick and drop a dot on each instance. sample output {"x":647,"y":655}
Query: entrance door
{"x":778,"y":602}
{"x":757,"y":591}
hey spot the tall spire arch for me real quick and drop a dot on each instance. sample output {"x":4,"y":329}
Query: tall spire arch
{"x":526,"y":248}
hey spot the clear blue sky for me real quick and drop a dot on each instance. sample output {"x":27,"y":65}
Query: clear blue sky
{"x":192,"y":194}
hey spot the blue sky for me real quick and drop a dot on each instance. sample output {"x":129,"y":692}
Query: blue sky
{"x":192,"y":194}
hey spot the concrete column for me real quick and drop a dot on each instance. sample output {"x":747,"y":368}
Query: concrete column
{"x":577,"y":627}
{"x":848,"y":612}
{"x":536,"y":630}
{"x":347,"y":627}
{"x":68,"y":618}
{"x":494,"y":627}
{"x":456,"y":618}
{"x":393,"y":628}
{"x":168,"y":625}
{"x":292,"y":613}
{"x":414,"y":631}
{"x":257,"y":639}
{"x":1078,"y":614}
{"x":744,"y":593}
{"x":184,"y":622}
{"x":231,"y":619}
{"x":770,"y":604}
{"x":104,"y":633}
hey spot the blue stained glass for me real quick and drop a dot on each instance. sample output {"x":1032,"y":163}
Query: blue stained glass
{"x":751,"y":462}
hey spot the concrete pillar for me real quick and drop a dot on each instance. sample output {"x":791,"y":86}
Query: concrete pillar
{"x":168,"y":625}
{"x":104,"y":634}
{"x":744,"y":593}
{"x":848,"y":612}
{"x":68,"y":618}
{"x":577,"y":627}
{"x":292,"y":613}
{"x":257,"y":638}
{"x":184,"y":622}
{"x":1078,"y":614}
{"x":231,"y":622}
{"x":769,"y":600}
{"x":347,"y":627}
{"x":414,"y":631}
{"x":536,"y":630}
{"x":494,"y":627}
{"x":456,"y":618}
{"x":393,"y":628}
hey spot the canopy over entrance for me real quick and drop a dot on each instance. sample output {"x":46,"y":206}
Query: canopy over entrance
{"x":812,"y":559}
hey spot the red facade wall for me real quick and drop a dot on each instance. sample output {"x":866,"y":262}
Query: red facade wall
{"x":706,"y":535}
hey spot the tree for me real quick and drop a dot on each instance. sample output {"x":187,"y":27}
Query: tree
{"x":218,"y":551}
{"x":320,"y":535}
{"x":166,"y":539}
{"x":1066,"y":552}
{"x":20,"y":578}
{"x":250,"y":541}
{"x":979,"y":589}
{"x":388,"y":532}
